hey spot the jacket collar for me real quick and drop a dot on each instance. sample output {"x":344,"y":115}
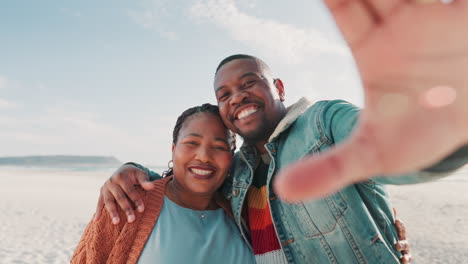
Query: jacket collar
{"x":294,"y":111}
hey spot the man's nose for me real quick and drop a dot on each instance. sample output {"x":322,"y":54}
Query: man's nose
{"x":238,"y":96}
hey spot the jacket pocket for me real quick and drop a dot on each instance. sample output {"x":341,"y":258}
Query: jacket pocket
{"x":320,"y":217}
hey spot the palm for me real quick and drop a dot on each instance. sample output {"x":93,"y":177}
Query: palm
{"x":411,"y":58}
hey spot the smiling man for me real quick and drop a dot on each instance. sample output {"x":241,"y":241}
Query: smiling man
{"x":255,"y":116}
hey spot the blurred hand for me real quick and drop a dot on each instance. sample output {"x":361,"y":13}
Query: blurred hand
{"x":120,"y":189}
{"x":412,"y":57}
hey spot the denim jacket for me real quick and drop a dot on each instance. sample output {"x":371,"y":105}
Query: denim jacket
{"x":354,"y":225}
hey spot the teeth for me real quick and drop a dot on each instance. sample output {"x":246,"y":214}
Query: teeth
{"x":202,"y":172}
{"x":246,"y":112}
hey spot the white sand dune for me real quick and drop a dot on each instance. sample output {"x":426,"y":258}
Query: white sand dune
{"x":43,"y":214}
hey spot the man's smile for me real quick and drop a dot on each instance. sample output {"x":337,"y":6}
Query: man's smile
{"x":246,"y":112}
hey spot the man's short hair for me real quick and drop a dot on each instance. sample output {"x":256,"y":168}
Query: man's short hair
{"x":260,"y":62}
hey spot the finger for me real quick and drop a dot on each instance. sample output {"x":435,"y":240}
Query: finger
{"x":124,"y":203}
{"x":406,"y":259}
{"x":143,"y":179}
{"x":109,"y":203}
{"x":130,"y":192}
{"x":402,"y":246}
{"x":394,"y":212}
{"x":99,"y":207}
{"x":432,"y":1}
{"x":321,"y":175}
{"x":401,"y":229}
{"x":352,"y":18}
{"x":357,"y":18}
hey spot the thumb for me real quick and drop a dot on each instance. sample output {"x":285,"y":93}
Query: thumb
{"x":320,"y":175}
{"x":142,"y":179}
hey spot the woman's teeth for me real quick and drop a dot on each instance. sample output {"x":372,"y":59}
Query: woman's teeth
{"x":201,"y":172}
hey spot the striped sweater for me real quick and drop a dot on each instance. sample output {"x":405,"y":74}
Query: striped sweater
{"x":265,"y":244}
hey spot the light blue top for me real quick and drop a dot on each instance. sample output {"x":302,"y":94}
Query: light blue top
{"x":182,"y":235}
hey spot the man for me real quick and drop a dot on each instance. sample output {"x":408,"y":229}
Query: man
{"x":354,"y":223}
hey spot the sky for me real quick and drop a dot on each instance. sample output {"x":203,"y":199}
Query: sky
{"x":110,"y":77}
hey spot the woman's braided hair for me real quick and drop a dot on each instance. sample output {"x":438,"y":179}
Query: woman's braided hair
{"x":204,"y":108}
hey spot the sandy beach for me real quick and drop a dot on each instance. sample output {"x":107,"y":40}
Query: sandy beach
{"x":436,"y":218}
{"x":43,"y":214}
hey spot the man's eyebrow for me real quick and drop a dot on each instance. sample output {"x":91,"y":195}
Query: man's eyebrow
{"x":247,"y":74}
{"x":219,"y":88}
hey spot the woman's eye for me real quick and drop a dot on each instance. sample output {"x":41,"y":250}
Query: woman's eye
{"x":221,"y":148}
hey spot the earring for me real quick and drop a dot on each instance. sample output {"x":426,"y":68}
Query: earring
{"x":168,"y":172}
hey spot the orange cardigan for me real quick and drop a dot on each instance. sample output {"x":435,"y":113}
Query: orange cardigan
{"x":104,"y":242}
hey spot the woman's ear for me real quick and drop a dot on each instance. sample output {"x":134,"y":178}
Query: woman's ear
{"x":173,"y":147}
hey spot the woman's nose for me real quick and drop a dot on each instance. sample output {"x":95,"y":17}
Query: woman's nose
{"x":204,"y":154}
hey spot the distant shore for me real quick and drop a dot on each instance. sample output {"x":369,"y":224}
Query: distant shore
{"x":60,"y":161}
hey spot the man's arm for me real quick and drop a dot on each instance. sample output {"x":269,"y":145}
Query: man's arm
{"x":339,"y":119}
{"x":443,"y":168}
{"x":119,"y":190}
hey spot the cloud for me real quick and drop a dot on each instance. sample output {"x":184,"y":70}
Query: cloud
{"x":155,"y":15}
{"x":3,"y":81}
{"x":291,"y":43}
{"x":4,"y":104}
{"x":71,"y":12}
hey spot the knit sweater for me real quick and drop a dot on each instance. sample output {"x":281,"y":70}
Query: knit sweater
{"x":104,"y":242}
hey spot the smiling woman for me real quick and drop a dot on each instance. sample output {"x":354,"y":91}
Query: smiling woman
{"x":184,"y":210}
{"x":202,"y":155}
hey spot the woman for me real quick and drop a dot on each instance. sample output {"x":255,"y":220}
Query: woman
{"x":186,"y":220}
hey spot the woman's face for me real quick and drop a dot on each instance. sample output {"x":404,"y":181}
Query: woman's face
{"x":202,"y":154}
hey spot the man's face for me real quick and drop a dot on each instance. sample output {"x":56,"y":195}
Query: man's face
{"x":249,"y":100}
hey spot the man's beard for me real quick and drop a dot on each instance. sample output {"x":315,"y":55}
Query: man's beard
{"x":261,"y":133}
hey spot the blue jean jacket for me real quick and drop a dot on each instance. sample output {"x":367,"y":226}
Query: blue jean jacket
{"x":354,"y":225}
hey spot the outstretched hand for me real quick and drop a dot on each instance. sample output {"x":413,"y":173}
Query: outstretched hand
{"x":412,"y":57}
{"x":120,"y":189}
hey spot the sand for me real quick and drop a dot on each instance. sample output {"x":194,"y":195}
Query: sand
{"x":436,"y":217}
{"x":44,"y":213}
